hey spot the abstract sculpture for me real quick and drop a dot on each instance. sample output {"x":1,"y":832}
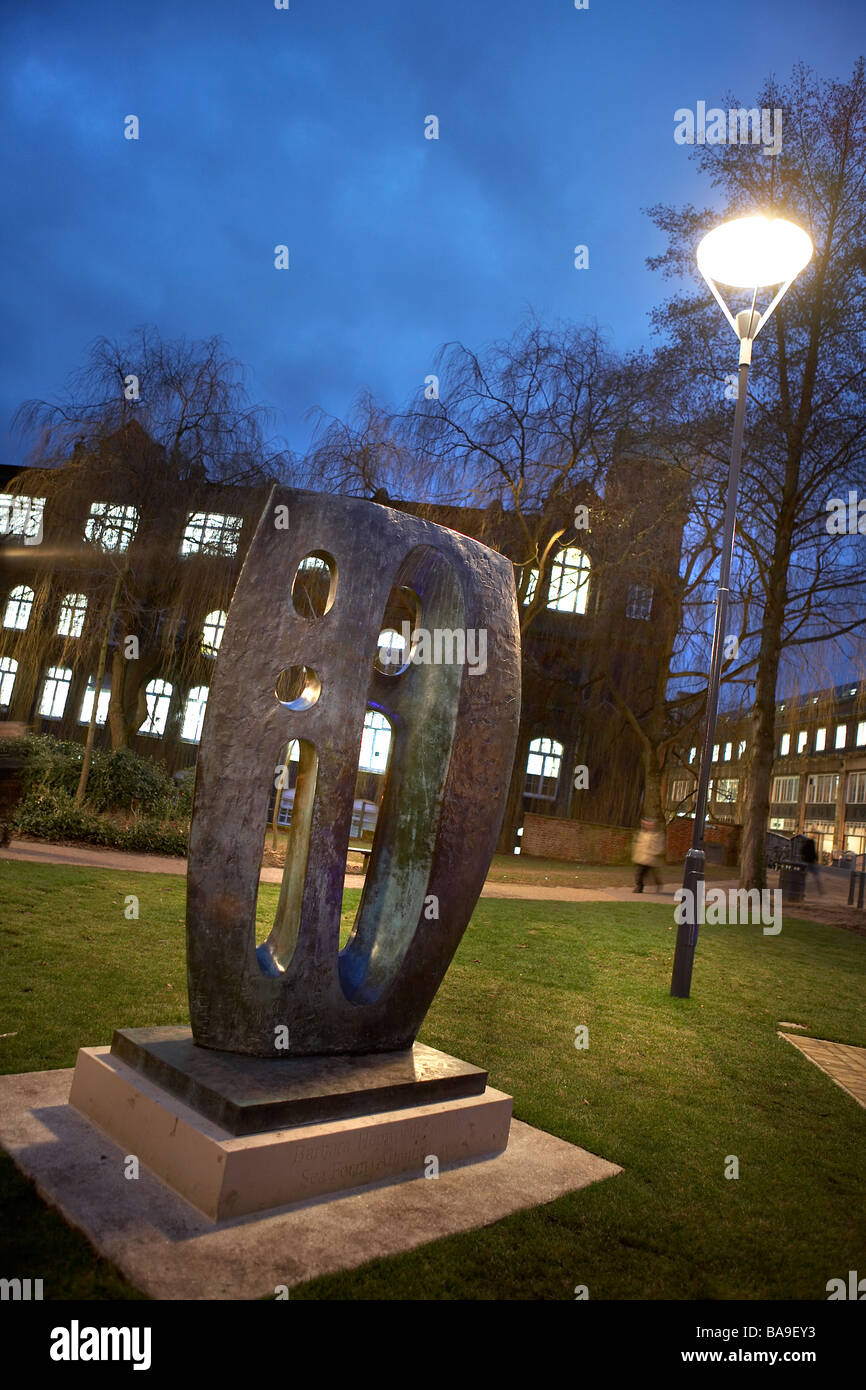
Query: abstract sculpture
{"x":323,"y":578}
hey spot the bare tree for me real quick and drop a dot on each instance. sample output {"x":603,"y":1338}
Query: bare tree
{"x":162,"y":429}
{"x":807,"y":423}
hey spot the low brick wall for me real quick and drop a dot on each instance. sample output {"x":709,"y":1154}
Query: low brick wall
{"x":726,"y":837}
{"x":583,"y":842}
{"x":550,"y":837}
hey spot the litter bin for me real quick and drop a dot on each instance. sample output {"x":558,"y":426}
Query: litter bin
{"x":792,"y":881}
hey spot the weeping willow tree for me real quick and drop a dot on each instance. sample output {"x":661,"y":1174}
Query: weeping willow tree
{"x":148,"y":435}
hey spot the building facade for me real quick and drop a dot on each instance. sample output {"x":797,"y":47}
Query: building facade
{"x":819,"y":772}
{"x":150,"y":573}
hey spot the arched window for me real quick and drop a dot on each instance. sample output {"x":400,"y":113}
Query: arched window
{"x":542,"y":768}
{"x":158,"y":696}
{"x":193,"y":713}
{"x":568,"y":590}
{"x":72,"y":611}
{"x":375,"y":742}
{"x":55,"y":692}
{"x":101,"y":704}
{"x":212,"y":632}
{"x":8,"y":669}
{"x":19,"y":607}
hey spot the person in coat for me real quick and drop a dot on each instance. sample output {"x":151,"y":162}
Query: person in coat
{"x":647,"y":853}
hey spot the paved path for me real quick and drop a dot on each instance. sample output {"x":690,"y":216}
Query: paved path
{"x":82,"y":856}
{"x":844,"y":1064}
{"x":41,"y":852}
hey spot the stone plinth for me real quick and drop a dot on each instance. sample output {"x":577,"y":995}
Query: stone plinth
{"x":245,"y":1095}
{"x":226,"y":1176}
{"x":169,"y":1250}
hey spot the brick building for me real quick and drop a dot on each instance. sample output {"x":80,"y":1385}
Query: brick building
{"x":819,"y":772}
{"x":180,"y":553}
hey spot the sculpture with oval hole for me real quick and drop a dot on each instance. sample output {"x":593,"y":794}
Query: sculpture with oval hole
{"x":323,"y":578}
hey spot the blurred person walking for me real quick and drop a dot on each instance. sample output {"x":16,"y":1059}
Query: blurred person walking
{"x":647,"y":853}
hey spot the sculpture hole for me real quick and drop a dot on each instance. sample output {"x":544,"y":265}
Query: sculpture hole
{"x":295,"y":777}
{"x":397,"y":641}
{"x":314,"y":586}
{"x":298,"y":688}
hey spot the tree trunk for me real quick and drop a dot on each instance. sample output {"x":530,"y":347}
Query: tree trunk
{"x":514,"y":804}
{"x":753,"y":871}
{"x":652,"y":786}
{"x":100,"y":672}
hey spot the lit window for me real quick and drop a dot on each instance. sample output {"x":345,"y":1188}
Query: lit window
{"x":211,"y":533}
{"x":822,"y":789}
{"x":729,"y":752}
{"x":55,"y":692}
{"x":111,"y":527}
{"x":786,"y":789}
{"x":531,"y":585}
{"x":682,"y":796}
{"x":568,"y":590}
{"x":639,"y":602}
{"x":21,"y":516}
{"x":542,"y":768}
{"x":785,"y":746}
{"x":692,"y":753}
{"x":375,"y":742}
{"x":727,"y":789}
{"x":861,"y":733}
{"x":158,"y":696}
{"x":741,"y":747}
{"x":212,"y":632}
{"x":820,"y":740}
{"x":193,"y":714}
{"x":715,"y":752}
{"x":19,"y":607}
{"x":101,"y":704}
{"x":391,"y":650}
{"x":856,"y":793}
{"x":841,"y":735}
{"x":72,"y":611}
{"x":8,"y":668}
{"x":802,"y":740}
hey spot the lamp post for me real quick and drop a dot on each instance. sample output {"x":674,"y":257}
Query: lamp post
{"x":747,"y":253}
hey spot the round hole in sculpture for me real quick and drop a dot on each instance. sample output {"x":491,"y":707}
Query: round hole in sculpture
{"x":398,"y":639}
{"x":298,"y":688}
{"x":314,"y":586}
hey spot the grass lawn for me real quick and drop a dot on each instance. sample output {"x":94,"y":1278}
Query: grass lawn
{"x":668,"y":1088}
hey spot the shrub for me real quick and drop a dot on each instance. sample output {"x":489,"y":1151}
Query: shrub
{"x":126,"y":781}
{"x":118,"y":781}
{"x":50,"y":814}
{"x":49,"y":762}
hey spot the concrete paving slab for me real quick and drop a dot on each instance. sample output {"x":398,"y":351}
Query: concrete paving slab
{"x":169,"y":1251}
{"x":843,"y":1063}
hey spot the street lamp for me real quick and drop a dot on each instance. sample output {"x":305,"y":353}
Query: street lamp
{"x":747,"y":253}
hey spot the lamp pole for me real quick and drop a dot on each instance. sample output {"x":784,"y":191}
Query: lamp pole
{"x":747,"y":253}
{"x":687,"y":934}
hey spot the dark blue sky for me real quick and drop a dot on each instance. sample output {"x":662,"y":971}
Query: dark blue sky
{"x":306,"y":127}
